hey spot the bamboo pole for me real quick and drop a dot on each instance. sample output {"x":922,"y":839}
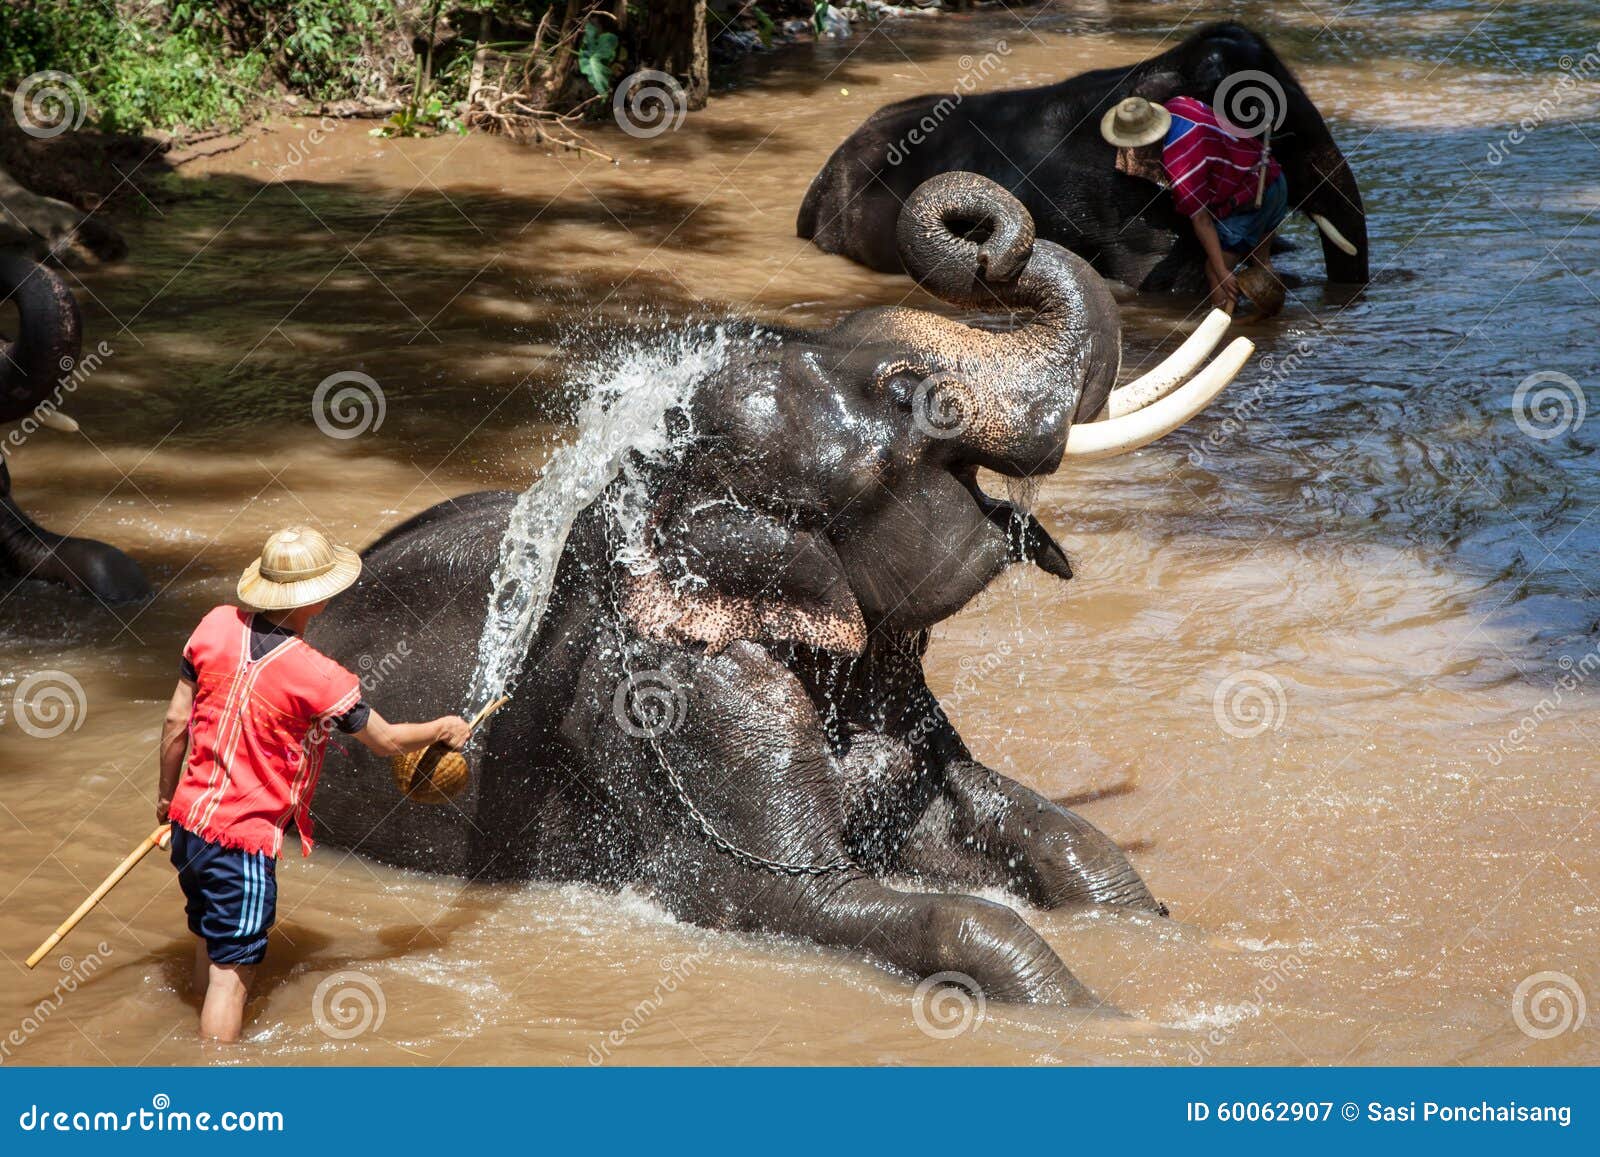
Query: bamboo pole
{"x":156,"y":839}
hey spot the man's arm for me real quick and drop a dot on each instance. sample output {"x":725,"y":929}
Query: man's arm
{"x":384,"y":738}
{"x":1224,"y":286}
{"x":174,"y":746}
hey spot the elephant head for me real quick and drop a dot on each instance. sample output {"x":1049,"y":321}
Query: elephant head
{"x":832,"y":485}
{"x":32,"y":369}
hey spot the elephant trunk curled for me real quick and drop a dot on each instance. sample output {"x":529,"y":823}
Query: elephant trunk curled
{"x":971,"y":243}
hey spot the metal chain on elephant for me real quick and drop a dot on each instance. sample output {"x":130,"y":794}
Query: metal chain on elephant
{"x":701,"y":821}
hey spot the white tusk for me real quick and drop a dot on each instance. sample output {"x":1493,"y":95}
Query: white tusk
{"x":1114,"y":436}
{"x":1333,"y":234}
{"x":52,"y":419}
{"x":1173,"y":372}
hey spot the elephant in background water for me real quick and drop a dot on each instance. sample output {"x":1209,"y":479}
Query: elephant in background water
{"x":1044,"y":145}
{"x":773,"y":584}
{"x":32,"y":370}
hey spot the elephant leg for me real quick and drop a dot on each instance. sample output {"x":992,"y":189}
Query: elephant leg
{"x":753,"y":759}
{"x":920,"y":934}
{"x":1051,"y":856}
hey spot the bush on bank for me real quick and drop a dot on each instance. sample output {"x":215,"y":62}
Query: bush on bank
{"x":197,"y":64}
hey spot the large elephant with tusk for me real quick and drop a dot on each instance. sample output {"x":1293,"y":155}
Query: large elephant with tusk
{"x":35,"y":370}
{"x":1044,"y":145}
{"x":721,"y":700}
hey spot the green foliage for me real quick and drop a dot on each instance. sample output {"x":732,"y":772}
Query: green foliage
{"x":135,"y":73}
{"x":595,"y":57}
{"x":765,"y":26}
{"x":323,"y":49}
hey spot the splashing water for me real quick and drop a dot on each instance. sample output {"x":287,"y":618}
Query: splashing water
{"x":627,"y":398}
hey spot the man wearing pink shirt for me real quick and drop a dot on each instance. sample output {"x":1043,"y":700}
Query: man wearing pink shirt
{"x":1215,"y":179}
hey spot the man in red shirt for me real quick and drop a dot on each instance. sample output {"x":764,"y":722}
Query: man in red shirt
{"x":242,"y":748}
{"x":1215,"y":179}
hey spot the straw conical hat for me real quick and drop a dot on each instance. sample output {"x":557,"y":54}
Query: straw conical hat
{"x":1134,"y":122}
{"x":298,"y":566}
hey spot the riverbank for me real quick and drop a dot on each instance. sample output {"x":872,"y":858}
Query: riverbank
{"x":100,"y":125}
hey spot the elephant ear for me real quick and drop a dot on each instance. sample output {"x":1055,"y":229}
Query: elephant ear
{"x":716,"y":570}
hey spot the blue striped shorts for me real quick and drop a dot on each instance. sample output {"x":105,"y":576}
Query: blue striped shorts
{"x":232,"y":896}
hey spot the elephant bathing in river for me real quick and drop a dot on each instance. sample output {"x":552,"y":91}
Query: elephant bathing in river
{"x":1044,"y":145}
{"x":32,"y":370}
{"x":773,"y":583}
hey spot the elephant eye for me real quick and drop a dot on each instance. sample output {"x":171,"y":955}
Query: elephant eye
{"x":899,"y":378}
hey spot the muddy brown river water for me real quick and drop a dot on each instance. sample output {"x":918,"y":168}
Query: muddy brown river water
{"x":1330,"y":671}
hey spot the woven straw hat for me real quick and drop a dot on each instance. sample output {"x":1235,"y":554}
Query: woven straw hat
{"x":1134,"y":122}
{"x":298,"y":566}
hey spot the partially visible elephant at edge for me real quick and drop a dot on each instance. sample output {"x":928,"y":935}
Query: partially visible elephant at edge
{"x":48,"y":342}
{"x":776,"y":592}
{"x":1044,"y":145}
{"x":47,"y":229}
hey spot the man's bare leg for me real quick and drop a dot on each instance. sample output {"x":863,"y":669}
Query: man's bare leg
{"x":222,"y":1015}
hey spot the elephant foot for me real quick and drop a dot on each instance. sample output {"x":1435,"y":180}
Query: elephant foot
{"x":973,"y":943}
{"x":1052,"y":856}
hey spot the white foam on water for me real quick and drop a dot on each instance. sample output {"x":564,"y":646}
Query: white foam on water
{"x":627,"y":397}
